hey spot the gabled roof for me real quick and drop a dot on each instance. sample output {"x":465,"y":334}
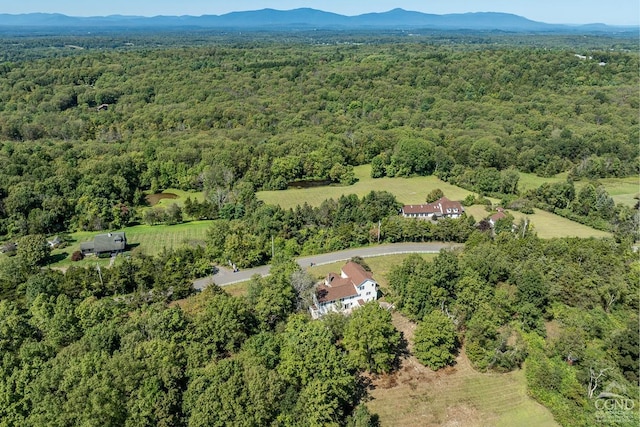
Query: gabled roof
{"x":109,"y":242}
{"x":442,"y":206}
{"x":428,"y":209}
{"x":334,"y":293}
{"x":338,"y":286}
{"x":356,"y":273}
{"x":447,"y":205}
{"x":497,"y":216}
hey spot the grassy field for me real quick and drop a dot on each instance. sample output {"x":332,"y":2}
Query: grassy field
{"x":180,"y":197}
{"x":622,"y":190}
{"x":146,"y":238}
{"x":547,"y":225}
{"x":407,"y":190}
{"x":529,"y":180}
{"x":169,"y":197}
{"x":414,"y":190}
{"x":455,"y":396}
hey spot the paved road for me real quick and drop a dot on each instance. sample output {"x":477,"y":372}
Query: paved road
{"x":226,"y":276}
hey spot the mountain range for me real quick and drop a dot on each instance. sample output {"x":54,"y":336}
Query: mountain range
{"x":303,"y":18}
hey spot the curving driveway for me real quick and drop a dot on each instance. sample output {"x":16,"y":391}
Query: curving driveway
{"x":226,"y":276}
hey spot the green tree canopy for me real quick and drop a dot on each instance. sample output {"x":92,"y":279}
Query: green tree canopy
{"x":435,"y":340}
{"x":371,"y":340}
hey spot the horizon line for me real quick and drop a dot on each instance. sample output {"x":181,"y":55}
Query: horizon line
{"x":318,"y":10}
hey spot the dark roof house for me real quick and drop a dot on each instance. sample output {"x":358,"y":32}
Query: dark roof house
{"x":102,"y":243}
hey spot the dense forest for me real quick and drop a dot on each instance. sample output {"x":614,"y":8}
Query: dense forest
{"x":85,"y":136}
{"x":91,"y":348}
{"x":90,"y":126}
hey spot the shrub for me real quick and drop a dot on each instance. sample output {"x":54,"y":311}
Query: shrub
{"x":77,"y":256}
{"x":434,"y":195}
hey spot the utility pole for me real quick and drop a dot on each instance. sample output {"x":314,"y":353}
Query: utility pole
{"x":99,"y":274}
{"x":379,"y":224}
{"x":273,"y":248}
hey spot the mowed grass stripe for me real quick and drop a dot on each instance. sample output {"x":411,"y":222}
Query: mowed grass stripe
{"x":151,"y":239}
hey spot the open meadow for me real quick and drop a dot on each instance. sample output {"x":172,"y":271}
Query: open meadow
{"x":546,"y":224}
{"x":173,"y":195}
{"x":622,"y":190}
{"x":407,"y":190}
{"x":415,"y":189}
{"x":454,"y":396}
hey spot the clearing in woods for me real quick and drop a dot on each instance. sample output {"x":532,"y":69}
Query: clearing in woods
{"x":406,"y":190}
{"x":150,"y":239}
{"x":454,"y":396}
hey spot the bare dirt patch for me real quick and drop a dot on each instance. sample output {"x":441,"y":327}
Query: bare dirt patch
{"x":153,"y":199}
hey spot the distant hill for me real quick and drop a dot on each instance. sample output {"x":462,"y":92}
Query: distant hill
{"x":303,"y":18}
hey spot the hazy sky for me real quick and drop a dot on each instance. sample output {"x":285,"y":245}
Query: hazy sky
{"x":616,"y":12}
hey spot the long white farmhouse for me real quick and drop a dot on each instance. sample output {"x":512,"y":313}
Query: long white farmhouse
{"x":441,"y":208}
{"x":343,"y":292}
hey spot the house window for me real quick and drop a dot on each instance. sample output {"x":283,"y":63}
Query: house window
{"x":369,"y":293}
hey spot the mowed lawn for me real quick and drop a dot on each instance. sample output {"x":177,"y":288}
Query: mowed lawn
{"x":148,"y":239}
{"x":455,"y":396}
{"x":407,"y":190}
{"x":380,"y":267}
{"x":529,"y":181}
{"x":546,"y":224}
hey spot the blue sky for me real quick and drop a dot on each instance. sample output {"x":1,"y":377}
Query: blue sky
{"x":615,"y":12}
